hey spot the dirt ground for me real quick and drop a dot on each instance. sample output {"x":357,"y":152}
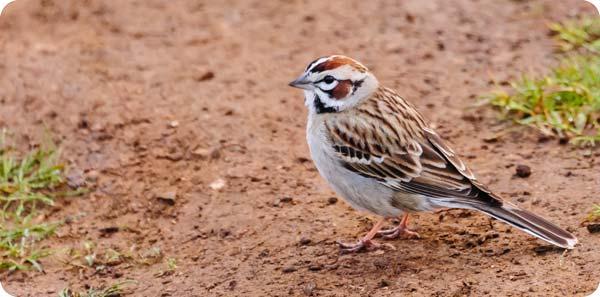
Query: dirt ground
{"x":147,"y":98}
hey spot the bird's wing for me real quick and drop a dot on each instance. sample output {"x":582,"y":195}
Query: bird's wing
{"x":435,"y":140}
{"x":403,"y":155}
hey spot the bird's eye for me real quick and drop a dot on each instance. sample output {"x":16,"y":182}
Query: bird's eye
{"x":329,"y":79}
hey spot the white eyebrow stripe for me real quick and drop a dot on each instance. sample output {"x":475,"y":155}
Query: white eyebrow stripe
{"x":316,"y":62}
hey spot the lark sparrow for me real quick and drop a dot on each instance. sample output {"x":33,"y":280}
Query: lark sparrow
{"x":378,"y":152}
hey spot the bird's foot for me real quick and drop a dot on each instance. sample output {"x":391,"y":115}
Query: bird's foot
{"x":363,"y":244}
{"x":400,"y":231}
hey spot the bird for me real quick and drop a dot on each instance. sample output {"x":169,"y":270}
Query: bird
{"x":380,"y":154}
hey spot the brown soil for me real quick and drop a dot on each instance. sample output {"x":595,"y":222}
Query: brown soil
{"x":149,"y":97}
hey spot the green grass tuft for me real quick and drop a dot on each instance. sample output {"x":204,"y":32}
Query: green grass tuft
{"x":27,"y":181}
{"x":572,"y":35}
{"x":594,"y":214}
{"x":115,"y":290}
{"x":565,"y":102}
{"x":171,"y":266}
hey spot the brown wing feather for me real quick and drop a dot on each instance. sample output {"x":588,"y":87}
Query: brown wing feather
{"x":385,"y":138}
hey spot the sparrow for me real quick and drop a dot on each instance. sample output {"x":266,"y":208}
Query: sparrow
{"x":379,"y":153}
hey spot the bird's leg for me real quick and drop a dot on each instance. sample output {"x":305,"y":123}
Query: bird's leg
{"x":400,"y":231}
{"x":365,"y":243}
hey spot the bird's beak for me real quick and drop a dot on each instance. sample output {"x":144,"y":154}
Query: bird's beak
{"x":301,"y":83}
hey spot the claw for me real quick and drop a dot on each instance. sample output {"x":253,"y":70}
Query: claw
{"x":400,"y":231}
{"x":359,"y":246}
{"x":366,"y":242}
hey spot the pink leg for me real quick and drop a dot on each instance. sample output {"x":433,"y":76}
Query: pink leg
{"x":365,"y":243}
{"x":400,"y":231}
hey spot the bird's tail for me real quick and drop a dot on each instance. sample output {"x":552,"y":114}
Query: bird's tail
{"x":530,"y":223}
{"x":517,"y":217}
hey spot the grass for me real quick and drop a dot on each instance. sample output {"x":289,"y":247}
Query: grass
{"x":27,"y":181}
{"x":171,"y":266}
{"x":89,"y":255}
{"x":594,"y":215}
{"x":114,"y":290}
{"x":565,"y":102}
{"x":577,"y":34}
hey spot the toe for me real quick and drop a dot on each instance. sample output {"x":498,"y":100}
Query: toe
{"x":411,"y":234}
{"x":390,"y":236}
{"x":387,"y":232}
{"x":361,"y":245}
{"x":401,"y":233}
{"x":350,"y":247}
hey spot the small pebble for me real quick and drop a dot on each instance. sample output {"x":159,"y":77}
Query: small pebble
{"x":309,"y":288}
{"x":232,"y":285}
{"x":332,"y":200}
{"x":593,"y":228}
{"x":208,"y":75}
{"x":224,"y":233}
{"x":563,"y":140}
{"x":167,"y":196}
{"x":92,"y":175}
{"x":75,"y":179}
{"x":289,"y":269}
{"x":544,"y":249}
{"x":207,"y":153}
{"x":523,"y":171}
{"x":305,"y":241}
{"x":286,"y":199}
{"x":276,"y":203}
{"x":217,"y":184}
{"x":491,"y":139}
{"x":109,"y":230}
{"x":173,"y":124}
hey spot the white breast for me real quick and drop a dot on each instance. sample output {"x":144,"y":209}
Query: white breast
{"x":362,"y":193}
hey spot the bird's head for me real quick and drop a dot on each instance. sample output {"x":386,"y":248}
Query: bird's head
{"x":335,"y":83}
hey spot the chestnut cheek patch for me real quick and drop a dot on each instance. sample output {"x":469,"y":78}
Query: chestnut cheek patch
{"x":342,"y":89}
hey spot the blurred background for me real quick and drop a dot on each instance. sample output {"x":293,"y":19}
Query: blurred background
{"x":153,"y":148}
